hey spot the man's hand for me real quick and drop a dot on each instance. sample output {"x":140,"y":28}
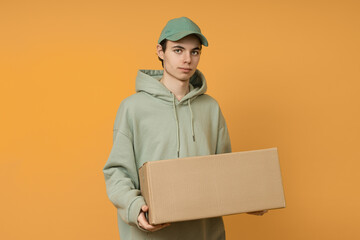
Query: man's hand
{"x":145,"y":224}
{"x":258,"y":213}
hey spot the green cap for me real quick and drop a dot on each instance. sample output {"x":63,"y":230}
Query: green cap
{"x":178,"y":28}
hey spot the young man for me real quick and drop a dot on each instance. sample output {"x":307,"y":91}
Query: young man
{"x":170,"y":116}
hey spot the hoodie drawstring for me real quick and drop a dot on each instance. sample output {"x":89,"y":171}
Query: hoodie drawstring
{"x":177,"y":125}
{"x":178,"y":128}
{"x":192,"y":121}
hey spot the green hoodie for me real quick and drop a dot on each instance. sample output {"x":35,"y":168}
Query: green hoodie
{"x":153,"y":125}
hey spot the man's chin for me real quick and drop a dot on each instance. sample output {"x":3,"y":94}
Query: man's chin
{"x":181,"y":76}
{"x":186,"y":76}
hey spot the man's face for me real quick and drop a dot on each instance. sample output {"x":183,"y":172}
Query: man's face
{"x":181,"y":57}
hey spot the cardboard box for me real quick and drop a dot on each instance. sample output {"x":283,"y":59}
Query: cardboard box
{"x":210,"y":186}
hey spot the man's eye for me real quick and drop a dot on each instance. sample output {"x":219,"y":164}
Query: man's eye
{"x":177,"y":50}
{"x":195,"y":53}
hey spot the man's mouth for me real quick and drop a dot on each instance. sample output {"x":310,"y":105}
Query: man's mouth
{"x":185,"y":69}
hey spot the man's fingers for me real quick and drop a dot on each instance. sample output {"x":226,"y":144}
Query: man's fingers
{"x":144,"y":208}
{"x":262,"y":212}
{"x":161,"y":226}
{"x":142,"y":219}
{"x":153,"y":228}
{"x":143,"y":222}
{"x":258,"y":213}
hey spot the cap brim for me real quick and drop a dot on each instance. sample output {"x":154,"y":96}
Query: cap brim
{"x":180,"y":35}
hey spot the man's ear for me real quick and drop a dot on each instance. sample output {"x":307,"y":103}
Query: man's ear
{"x":160,"y":51}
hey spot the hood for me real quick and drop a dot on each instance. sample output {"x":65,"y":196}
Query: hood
{"x":149,"y":81}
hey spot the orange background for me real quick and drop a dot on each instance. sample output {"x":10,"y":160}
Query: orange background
{"x":286,"y":74}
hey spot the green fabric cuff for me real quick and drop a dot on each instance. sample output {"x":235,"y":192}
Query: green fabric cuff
{"x":134,"y":210}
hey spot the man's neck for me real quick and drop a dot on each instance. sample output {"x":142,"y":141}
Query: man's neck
{"x":177,"y":87}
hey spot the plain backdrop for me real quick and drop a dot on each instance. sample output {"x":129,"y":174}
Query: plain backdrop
{"x":285,"y":73}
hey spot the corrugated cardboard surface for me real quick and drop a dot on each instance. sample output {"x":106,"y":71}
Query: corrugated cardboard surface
{"x":209,"y":186}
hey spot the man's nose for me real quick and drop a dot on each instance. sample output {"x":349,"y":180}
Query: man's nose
{"x":187,"y":57}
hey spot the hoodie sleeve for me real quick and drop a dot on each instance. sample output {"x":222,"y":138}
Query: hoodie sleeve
{"x":223,"y":141}
{"x":121,"y":173}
